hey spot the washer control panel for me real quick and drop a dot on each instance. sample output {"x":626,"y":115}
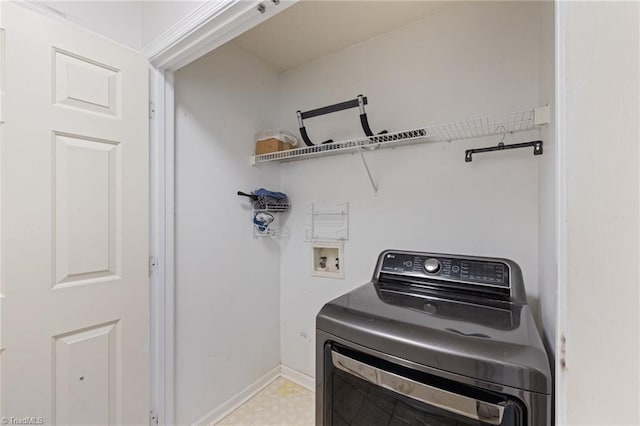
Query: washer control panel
{"x":432,"y":265}
{"x":463,"y":270}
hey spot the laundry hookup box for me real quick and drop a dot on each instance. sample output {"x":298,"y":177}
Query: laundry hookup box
{"x":274,"y":140}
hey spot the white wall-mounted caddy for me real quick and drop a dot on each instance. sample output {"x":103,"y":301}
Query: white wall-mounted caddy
{"x":331,"y":225}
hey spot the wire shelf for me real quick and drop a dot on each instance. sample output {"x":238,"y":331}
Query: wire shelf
{"x":275,"y":228}
{"x":273,"y":231}
{"x":510,"y":122}
{"x":327,"y":225}
{"x":271,"y":208}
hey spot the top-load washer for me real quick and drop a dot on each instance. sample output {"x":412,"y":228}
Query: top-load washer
{"x":433,"y":339}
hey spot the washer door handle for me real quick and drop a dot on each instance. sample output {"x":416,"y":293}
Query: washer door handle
{"x":455,"y":403}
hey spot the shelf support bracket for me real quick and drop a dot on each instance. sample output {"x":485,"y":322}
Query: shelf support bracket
{"x":366,"y":167}
{"x":541,"y":115}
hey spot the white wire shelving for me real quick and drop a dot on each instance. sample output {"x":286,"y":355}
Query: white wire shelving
{"x":327,"y":225}
{"x":273,"y":231}
{"x":505,"y":123}
{"x":274,"y":228}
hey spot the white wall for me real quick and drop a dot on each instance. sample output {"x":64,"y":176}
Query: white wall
{"x":117,"y":20}
{"x":600,"y":110}
{"x":160,"y":16}
{"x":227,"y":283}
{"x":471,"y":60}
{"x":132,"y":23}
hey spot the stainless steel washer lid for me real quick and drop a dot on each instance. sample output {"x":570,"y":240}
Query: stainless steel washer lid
{"x":512,"y":356}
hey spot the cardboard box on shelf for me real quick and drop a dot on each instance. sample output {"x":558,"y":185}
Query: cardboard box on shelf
{"x":271,"y":145}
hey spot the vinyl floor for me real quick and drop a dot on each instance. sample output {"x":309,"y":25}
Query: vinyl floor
{"x":282,"y":403}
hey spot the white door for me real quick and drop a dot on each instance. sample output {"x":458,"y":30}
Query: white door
{"x":74,"y":225}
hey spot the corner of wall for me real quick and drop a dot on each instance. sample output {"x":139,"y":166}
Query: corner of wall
{"x":547,"y":251}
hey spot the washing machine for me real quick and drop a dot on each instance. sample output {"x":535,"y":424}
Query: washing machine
{"x":433,"y":339}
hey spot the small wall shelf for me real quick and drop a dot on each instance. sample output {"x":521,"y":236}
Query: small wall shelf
{"x":510,"y":122}
{"x":266,"y":209}
{"x":327,"y":225}
{"x":275,"y":229}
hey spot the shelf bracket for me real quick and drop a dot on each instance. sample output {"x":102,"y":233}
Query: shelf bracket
{"x":541,"y":115}
{"x":366,"y":167}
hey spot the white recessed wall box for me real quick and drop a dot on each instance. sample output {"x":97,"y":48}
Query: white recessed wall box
{"x":327,"y":259}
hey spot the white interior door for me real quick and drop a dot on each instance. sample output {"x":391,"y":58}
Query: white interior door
{"x":74,"y":225}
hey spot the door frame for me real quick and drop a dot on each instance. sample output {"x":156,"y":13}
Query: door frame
{"x":562,"y":122}
{"x":161,"y":246}
{"x":203,"y":30}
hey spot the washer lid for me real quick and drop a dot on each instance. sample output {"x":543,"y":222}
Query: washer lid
{"x":497,"y":343}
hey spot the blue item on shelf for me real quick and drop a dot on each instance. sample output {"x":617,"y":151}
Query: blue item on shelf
{"x":262,"y":220}
{"x":267,"y":193}
{"x":264,"y":199}
{"x":270,"y":200}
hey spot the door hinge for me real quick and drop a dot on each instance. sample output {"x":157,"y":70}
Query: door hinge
{"x":153,"y":264}
{"x":152,"y":110}
{"x":153,"y":418}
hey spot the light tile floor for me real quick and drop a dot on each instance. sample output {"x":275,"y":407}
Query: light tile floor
{"x":282,"y":403}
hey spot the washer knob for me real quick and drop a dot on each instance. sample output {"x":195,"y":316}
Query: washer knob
{"x":432,"y":265}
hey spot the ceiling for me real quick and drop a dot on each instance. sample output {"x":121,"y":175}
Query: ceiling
{"x":311,"y":29}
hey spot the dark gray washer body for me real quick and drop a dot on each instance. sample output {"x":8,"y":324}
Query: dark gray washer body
{"x":511,"y":360}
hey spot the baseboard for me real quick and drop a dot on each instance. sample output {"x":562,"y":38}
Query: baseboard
{"x":238,"y":399}
{"x":296,"y":376}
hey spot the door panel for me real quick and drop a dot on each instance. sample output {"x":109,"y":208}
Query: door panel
{"x":87,"y":196}
{"x":85,"y":377}
{"x":73,"y":225}
{"x":84,"y":84}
